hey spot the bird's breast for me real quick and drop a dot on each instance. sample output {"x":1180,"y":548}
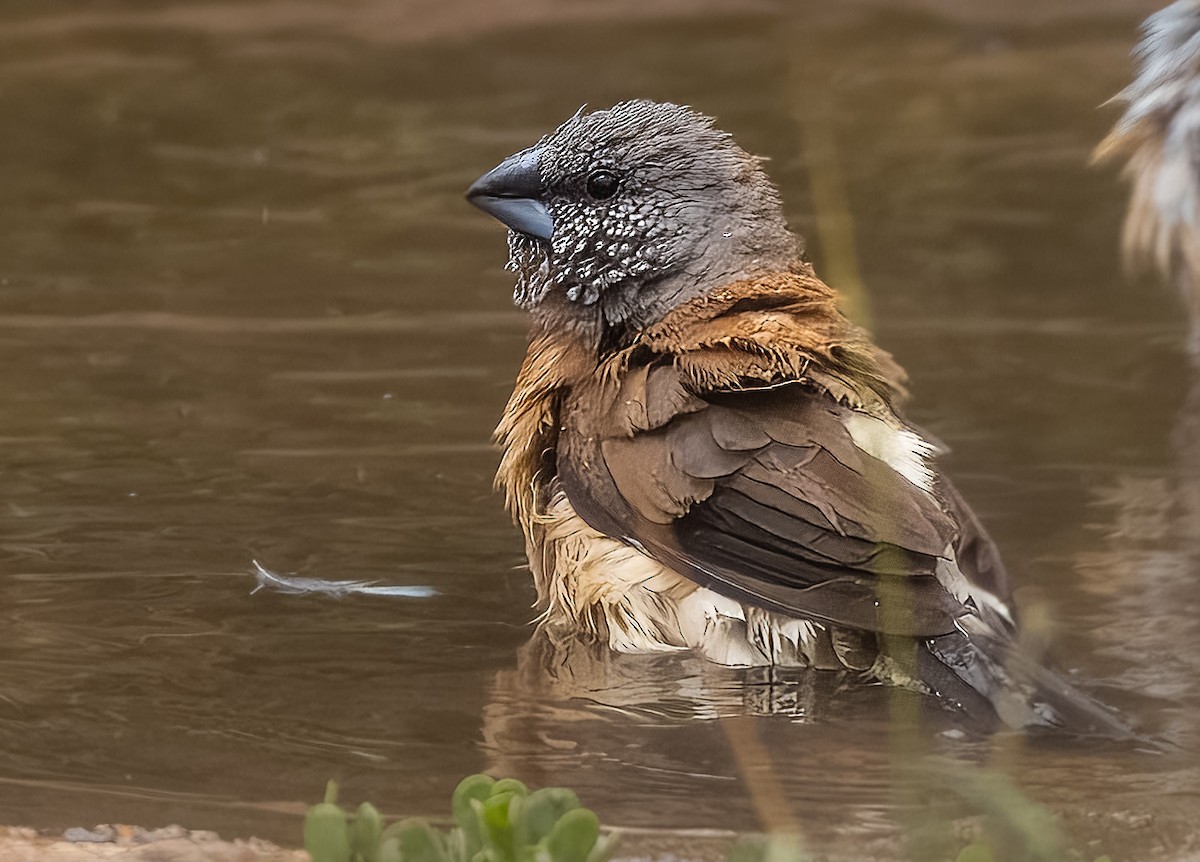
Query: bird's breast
{"x":608,"y":590}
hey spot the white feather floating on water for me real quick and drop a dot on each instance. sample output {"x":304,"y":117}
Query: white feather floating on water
{"x":293,"y":585}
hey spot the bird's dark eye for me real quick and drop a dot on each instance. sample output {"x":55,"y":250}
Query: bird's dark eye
{"x":602,"y":185}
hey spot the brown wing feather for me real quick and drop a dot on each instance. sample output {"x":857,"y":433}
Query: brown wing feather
{"x":763,"y":496}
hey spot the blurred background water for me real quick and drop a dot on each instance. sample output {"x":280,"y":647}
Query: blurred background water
{"x":245,"y":314}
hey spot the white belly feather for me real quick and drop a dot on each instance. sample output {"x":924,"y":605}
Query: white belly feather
{"x":610,"y":590}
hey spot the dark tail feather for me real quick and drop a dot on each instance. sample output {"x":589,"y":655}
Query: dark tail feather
{"x":976,"y":665}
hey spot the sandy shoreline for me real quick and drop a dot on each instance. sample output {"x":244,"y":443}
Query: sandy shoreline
{"x":122,"y":842}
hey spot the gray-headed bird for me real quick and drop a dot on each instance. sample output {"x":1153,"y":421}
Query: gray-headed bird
{"x":703,"y":453}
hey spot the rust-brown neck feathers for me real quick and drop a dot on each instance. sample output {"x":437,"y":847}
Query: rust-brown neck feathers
{"x":773,"y":330}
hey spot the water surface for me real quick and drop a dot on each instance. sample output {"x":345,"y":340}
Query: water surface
{"x":246,"y":315}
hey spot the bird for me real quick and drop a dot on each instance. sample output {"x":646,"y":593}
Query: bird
{"x":1157,"y":137}
{"x":704,"y":453}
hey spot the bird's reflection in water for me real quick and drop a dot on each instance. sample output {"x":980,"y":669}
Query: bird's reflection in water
{"x":660,"y":725}
{"x":856,"y":767}
{"x":669,"y":685}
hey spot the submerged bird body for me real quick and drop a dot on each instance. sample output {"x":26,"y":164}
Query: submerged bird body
{"x":704,"y":453}
{"x":740,"y":460}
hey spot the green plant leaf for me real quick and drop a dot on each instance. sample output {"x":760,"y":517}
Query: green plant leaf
{"x":388,"y":851}
{"x":416,"y":841}
{"x":495,"y":821}
{"x":540,"y":810}
{"x":326,"y":836}
{"x":516,"y":822}
{"x":495,"y":828}
{"x":364,"y":834}
{"x":509,"y":785}
{"x":473,"y":788}
{"x":456,"y":846}
{"x":573,"y":836}
{"x":469,"y":790}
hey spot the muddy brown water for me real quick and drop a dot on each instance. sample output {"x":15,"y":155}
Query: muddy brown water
{"x":245,"y":314}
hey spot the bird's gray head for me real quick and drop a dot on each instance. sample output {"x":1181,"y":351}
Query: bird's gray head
{"x":620,"y":215}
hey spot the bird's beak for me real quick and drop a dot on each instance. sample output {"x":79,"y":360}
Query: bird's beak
{"x":512,"y":192}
